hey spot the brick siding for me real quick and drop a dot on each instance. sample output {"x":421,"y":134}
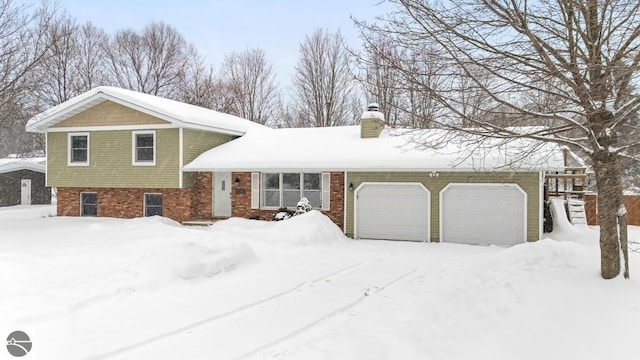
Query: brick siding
{"x":241,"y":199}
{"x":187,"y":204}
{"x":127,"y":203}
{"x":202,"y":196}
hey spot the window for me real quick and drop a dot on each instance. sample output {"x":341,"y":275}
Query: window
{"x":152,"y":204}
{"x":78,"y":149}
{"x":88,"y":204}
{"x":291,"y":190}
{"x":144,"y":148}
{"x":286,"y":189}
{"x":313,"y":189}
{"x":271,"y":190}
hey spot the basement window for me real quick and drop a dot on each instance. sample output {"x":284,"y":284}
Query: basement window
{"x":88,"y":204}
{"x":144,"y":148}
{"x":152,"y":204}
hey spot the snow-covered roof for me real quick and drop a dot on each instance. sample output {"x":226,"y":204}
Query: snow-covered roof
{"x":15,"y":164}
{"x":175,"y":112}
{"x":342,"y":149}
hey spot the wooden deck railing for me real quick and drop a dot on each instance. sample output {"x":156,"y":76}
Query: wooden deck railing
{"x":571,"y":183}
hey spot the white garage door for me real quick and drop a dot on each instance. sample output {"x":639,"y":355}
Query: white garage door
{"x":398,"y":211}
{"x":483,"y":214}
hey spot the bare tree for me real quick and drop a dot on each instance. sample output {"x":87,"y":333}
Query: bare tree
{"x":251,"y":81}
{"x":58,"y":69}
{"x":74,"y":63}
{"x":23,"y":46}
{"x":202,"y":86}
{"x":324,"y":91}
{"x":92,"y":62}
{"x":403,"y":100}
{"x":152,"y":61}
{"x":584,"y":56}
{"x":422,"y":109}
{"x":381,"y":82}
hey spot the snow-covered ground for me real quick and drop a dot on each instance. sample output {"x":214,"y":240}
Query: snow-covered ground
{"x":96,"y":288}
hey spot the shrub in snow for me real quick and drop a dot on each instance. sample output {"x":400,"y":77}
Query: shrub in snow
{"x":303,"y":206}
{"x":282,"y":214}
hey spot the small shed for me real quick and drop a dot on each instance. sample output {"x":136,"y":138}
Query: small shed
{"x":23,"y":182}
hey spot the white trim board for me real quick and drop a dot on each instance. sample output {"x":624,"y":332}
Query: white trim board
{"x":113,"y":128}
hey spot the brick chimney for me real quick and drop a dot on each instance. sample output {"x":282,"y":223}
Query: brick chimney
{"x":371,"y":122}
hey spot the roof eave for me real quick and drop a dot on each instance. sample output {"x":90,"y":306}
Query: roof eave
{"x":23,"y":166}
{"x":355,"y":169}
{"x":42,"y":125}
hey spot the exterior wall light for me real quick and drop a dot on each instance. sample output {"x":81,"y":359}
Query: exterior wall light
{"x":350,"y":186}
{"x":237,"y":182}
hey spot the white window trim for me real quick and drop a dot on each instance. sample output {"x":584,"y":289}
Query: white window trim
{"x":144,"y":203}
{"x":260,"y":189}
{"x":82,"y":204}
{"x":70,"y":143}
{"x":133,"y":148}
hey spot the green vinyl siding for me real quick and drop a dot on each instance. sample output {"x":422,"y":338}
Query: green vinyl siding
{"x":528,"y":181}
{"x":195,"y":142}
{"x":110,"y":157}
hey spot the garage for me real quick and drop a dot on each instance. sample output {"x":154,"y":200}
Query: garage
{"x":392,"y":211}
{"x":483,"y":214}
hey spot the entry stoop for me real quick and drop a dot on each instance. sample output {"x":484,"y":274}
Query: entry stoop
{"x":576,"y":212}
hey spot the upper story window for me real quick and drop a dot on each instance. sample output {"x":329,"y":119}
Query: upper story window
{"x":144,"y":148}
{"x":78,"y":149}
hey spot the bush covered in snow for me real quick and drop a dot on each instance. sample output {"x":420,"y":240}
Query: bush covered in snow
{"x":283,"y":213}
{"x":303,"y":206}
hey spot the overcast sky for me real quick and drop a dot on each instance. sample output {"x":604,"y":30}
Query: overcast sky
{"x":220,"y":27}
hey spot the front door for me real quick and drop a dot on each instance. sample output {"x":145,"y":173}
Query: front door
{"x":25,"y":192}
{"x":222,"y":194}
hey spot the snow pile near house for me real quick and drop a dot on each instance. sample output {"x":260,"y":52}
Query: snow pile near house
{"x":565,"y":231}
{"x":309,"y":229}
{"x":174,"y":252}
{"x":76,"y":261}
{"x":116,"y":289}
{"x":30,"y":212}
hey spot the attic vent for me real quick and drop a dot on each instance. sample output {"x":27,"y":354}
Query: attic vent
{"x":373,"y":107}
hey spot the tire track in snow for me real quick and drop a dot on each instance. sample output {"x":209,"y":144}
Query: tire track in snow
{"x":262,"y":302}
{"x":255,"y":330}
{"x":325,"y":317}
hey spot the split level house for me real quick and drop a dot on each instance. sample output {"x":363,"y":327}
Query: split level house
{"x":118,"y":153}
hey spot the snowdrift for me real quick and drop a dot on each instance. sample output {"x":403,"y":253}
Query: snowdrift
{"x":74,"y":262}
{"x":309,"y":229}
